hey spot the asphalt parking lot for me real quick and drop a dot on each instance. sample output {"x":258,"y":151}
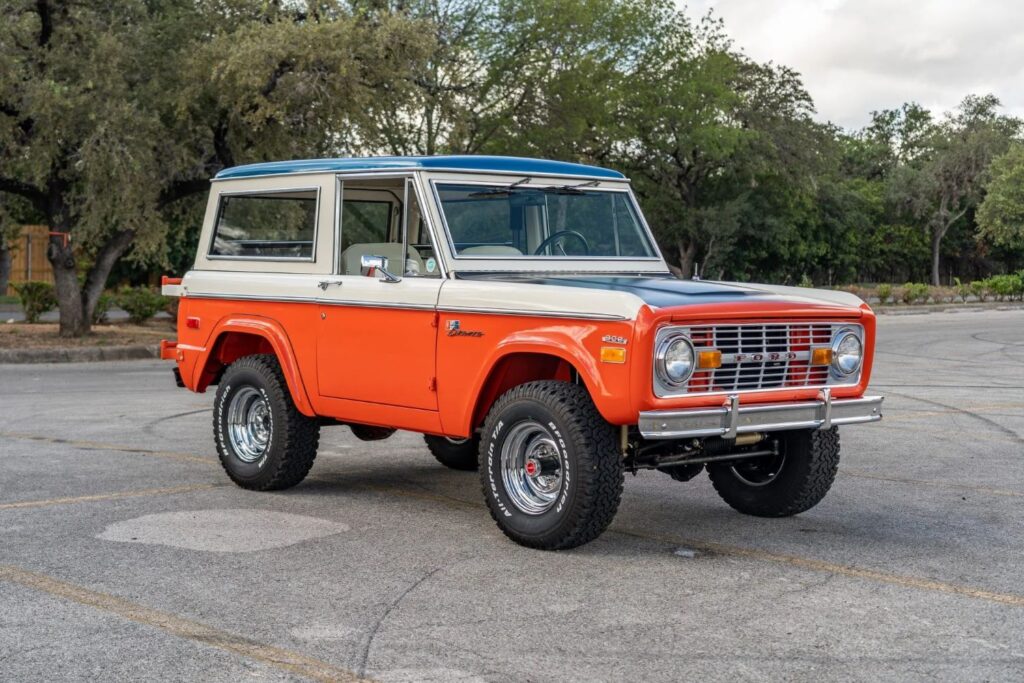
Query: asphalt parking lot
{"x":126,"y":553}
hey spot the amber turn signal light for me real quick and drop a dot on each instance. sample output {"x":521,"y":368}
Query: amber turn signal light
{"x":708,"y":360}
{"x":821,"y":356}
{"x":613,"y":354}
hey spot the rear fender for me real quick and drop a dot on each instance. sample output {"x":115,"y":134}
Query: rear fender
{"x":235,"y":337}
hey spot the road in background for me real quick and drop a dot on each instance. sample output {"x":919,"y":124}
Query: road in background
{"x":125,"y":552}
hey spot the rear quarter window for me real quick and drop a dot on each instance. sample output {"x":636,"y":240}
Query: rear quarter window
{"x":266,"y":225}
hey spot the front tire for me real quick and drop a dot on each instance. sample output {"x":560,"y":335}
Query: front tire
{"x":458,"y":454}
{"x":264,"y":442}
{"x":550,"y":466}
{"x":781,"y":486}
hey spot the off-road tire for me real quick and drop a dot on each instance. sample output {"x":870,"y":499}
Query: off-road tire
{"x":293,"y":437}
{"x":812,"y":460}
{"x":591,"y":485}
{"x":464,"y":455}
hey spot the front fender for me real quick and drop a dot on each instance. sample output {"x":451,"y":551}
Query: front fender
{"x":577,"y":343}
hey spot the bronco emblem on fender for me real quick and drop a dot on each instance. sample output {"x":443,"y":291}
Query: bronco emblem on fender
{"x":455,"y":331}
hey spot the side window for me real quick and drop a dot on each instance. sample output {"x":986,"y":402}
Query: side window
{"x":383,"y":218}
{"x":266,"y":225}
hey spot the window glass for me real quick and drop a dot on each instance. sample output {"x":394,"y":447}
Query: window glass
{"x":271,"y":225}
{"x":373,"y":224}
{"x":364,"y":221}
{"x":554,"y":221}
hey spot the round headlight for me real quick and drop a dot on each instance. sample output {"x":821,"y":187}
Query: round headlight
{"x":847,"y":353}
{"x":675,"y":360}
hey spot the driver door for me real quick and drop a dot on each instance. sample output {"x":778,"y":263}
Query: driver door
{"x":377,"y":339}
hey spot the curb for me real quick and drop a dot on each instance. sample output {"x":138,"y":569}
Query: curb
{"x":83,"y":354}
{"x":925,"y":309}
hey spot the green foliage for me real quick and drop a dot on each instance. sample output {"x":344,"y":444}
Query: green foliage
{"x":914,"y":293}
{"x":140,"y":303}
{"x":806,"y":281}
{"x":103,"y":305}
{"x":1001,"y":215}
{"x":1005,"y":287}
{"x":979,"y":288}
{"x":884,"y":293}
{"x":36,"y":298}
{"x":728,"y":161}
{"x":963,"y":290}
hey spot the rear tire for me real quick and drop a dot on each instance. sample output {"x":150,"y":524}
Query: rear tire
{"x":550,"y":466}
{"x":458,"y":454}
{"x":264,"y":442}
{"x":782,"y":486}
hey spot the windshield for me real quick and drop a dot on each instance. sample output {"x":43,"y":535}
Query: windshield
{"x":554,"y":222}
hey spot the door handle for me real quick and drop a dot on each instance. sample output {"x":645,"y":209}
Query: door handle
{"x":324,"y":284}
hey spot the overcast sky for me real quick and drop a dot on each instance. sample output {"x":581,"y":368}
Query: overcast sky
{"x":856,"y":56}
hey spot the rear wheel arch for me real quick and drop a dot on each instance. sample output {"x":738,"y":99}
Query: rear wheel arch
{"x":237,"y":339}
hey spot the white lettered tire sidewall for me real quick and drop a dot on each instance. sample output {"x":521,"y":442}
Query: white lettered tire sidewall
{"x":293,"y":439}
{"x":538,"y":525}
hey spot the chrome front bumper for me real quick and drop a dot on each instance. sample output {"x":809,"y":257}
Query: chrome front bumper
{"x":732,"y":419}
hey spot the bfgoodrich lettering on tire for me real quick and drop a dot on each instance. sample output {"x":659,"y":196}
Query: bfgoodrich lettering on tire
{"x":779,"y":486}
{"x":263,"y":441}
{"x":549,"y":465}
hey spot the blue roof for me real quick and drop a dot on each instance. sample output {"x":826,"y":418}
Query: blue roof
{"x":455,"y":163}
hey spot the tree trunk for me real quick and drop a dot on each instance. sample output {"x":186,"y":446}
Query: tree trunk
{"x":5,"y":266}
{"x":687,"y":254}
{"x":936,"y":245}
{"x":73,"y":321}
{"x":78,"y":301}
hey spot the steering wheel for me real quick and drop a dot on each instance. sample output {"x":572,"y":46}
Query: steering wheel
{"x":563,"y":233}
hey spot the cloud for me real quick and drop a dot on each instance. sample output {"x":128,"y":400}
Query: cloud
{"x":856,"y":56}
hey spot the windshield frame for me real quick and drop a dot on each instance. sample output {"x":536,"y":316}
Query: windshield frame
{"x":653,"y":263}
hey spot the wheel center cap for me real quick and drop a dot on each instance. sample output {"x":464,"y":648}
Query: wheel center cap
{"x":532,"y":467}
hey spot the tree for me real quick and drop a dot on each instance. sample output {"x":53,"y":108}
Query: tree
{"x":111,"y":113}
{"x":1001,"y":214}
{"x":947,"y":180}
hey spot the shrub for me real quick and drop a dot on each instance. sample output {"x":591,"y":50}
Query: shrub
{"x":962,"y":290}
{"x":806,"y":281}
{"x":942,"y":295}
{"x":140,"y":303}
{"x":1005,"y":286}
{"x":979,"y":288}
{"x":103,"y":305}
{"x":171,"y":307}
{"x":884,"y":293}
{"x":914,"y":292}
{"x":36,"y":298}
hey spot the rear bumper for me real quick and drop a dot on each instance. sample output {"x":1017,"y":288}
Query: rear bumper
{"x":732,"y":419}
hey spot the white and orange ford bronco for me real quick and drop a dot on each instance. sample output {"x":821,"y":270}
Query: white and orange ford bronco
{"x":518,"y":313}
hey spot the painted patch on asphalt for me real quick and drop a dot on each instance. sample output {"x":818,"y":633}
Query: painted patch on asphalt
{"x":222,"y":531}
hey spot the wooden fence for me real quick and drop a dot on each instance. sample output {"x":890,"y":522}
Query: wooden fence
{"x":28,"y":256}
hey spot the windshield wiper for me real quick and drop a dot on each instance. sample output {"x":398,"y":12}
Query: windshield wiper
{"x":570,"y":189}
{"x":495,"y":191}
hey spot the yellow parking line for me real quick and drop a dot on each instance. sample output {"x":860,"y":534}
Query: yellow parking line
{"x":170,"y":491}
{"x":833,"y":568}
{"x":279,"y":658}
{"x":118,"y":448}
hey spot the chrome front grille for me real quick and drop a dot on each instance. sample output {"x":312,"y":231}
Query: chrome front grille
{"x":760,"y":356}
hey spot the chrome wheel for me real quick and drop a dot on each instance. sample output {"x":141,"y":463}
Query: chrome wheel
{"x":760,"y":471}
{"x":531,"y":467}
{"x":249,"y":424}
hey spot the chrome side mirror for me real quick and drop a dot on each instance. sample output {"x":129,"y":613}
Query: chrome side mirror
{"x":372,"y":265}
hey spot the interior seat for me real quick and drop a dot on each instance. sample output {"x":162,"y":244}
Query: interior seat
{"x":351,"y":258}
{"x":490,"y":250}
